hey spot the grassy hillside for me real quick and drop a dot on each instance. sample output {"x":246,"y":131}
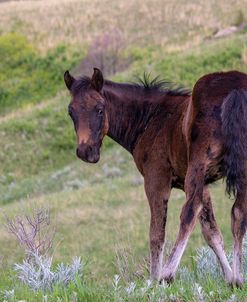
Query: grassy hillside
{"x":28,"y":76}
{"x":172,"y":24}
{"x":99,"y":211}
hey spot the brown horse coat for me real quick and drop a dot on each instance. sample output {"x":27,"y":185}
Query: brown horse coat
{"x":177,"y":140}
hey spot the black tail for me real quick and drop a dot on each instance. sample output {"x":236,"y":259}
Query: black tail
{"x":234,"y":129}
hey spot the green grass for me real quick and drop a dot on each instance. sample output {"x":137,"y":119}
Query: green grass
{"x":185,"y":68}
{"x":85,"y":289}
{"x":106,"y":215}
{"x":214,"y":56}
{"x":97,"y":216}
{"x":26,"y":75}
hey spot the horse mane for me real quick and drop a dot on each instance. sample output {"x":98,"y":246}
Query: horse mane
{"x":160,"y":85}
{"x":148,"y":84}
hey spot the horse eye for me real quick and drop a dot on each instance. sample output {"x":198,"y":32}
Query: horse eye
{"x":100,"y":111}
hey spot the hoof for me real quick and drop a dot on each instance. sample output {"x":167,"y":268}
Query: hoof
{"x":238,"y":283}
{"x":167,"y":278}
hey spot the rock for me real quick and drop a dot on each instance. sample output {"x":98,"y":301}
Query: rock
{"x":226,"y":31}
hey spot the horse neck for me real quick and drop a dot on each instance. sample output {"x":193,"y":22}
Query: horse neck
{"x":128,"y":111}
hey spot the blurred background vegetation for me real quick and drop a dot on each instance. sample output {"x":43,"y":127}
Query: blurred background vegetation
{"x":99,"y":209}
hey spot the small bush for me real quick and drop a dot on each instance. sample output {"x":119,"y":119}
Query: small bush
{"x":33,"y":231}
{"x":37,"y":272}
{"x":107,"y":53}
{"x":34,"y":234}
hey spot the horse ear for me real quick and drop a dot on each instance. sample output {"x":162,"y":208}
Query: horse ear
{"x":68,"y":79}
{"x":97,"y":80}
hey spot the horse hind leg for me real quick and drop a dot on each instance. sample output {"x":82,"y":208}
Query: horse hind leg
{"x":239,"y":225}
{"x":213,"y":235}
{"x":194,"y":183}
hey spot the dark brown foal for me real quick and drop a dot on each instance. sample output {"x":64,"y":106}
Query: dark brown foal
{"x":177,"y":141}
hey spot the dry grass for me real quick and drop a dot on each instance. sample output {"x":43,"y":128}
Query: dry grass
{"x":74,"y":22}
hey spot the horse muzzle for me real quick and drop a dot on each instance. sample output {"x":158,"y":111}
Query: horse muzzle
{"x":87,"y":153}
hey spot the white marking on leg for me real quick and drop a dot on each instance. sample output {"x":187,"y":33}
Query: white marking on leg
{"x":171,"y":266}
{"x":237,"y":278}
{"x":219,"y":251}
{"x":156,"y":265}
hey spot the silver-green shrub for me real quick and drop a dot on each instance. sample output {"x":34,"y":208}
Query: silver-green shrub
{"x":37,"y":272}
{"x":34,"y":233}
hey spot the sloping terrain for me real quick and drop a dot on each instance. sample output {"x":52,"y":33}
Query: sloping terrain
{"x":97,"y":210}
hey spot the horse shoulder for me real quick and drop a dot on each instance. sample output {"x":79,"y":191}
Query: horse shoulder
{"x":151,"y":147}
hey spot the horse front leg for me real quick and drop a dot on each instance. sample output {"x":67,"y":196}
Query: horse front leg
{"x":194,"y":183}
{"x":158,"y":191}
